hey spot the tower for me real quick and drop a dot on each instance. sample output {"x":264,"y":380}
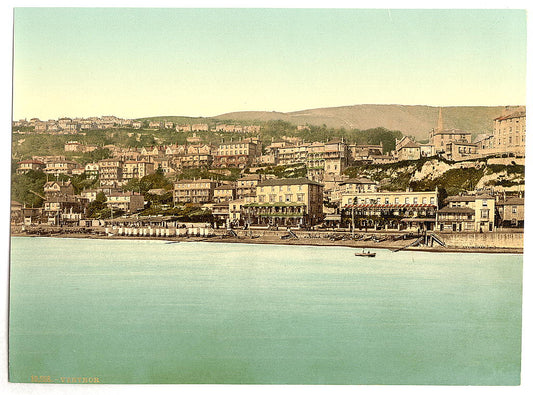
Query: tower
{"x":440,"y":127}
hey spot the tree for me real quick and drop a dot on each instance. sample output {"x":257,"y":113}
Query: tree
{"x":22,"y":184}
{"x":442,"y":195}
{"x":96,"y":208}
{"x":150,"y":181}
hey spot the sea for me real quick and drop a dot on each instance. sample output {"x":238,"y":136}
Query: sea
{"x":138,"y":311}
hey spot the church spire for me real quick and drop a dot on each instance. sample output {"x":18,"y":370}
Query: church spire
{"x":439,"y":122}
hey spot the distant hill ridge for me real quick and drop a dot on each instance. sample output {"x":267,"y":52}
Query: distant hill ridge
{"x":414,"y":120}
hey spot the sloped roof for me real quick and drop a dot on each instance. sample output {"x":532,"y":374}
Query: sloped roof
{"x":450,"y":131}
{"x":287,"y":181}
{"x":27,"y":161}
{"x":410,"y":145}
{"x":361,"y":180}
{"x":459,"y":210}
{"x":250,"y":177}
{"x":516,"y":114}
{"x":460,"y":199}
{"x":516,"y":201}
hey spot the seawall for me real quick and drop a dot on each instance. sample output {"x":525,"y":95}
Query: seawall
{"x":483,"y":240}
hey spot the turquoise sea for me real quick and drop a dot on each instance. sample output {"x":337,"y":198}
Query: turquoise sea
{"x":128,"y":311}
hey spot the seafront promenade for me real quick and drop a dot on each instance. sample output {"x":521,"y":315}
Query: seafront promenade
{"x":493,"y":242}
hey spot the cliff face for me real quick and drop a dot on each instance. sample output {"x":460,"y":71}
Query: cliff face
{"x":456,"y":178}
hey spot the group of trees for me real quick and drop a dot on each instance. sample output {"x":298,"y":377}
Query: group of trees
{"x":26,"y":188}
{"x":274,"y":130}
{"x":150,"y":182}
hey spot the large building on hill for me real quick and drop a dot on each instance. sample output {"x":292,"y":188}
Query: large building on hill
{"x":440,"y":137}
{"x":30,"y":164}
{"x":407,"y":149}
{"x":237,"y":153}
{"x":510,"y":133}
{"x":136,"y":169}
{"x":329,"y":158}
{"x":110,"y":172}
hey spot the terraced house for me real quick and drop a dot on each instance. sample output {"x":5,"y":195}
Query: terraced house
{"x":137,"y":169}
{"x":30,"y":164}
{"x":286,"y":202}
{"x":110,"y":172}
{"x":330,"y":158}
{"x":237,"y":154}
{"x":467,"y":214}
{"x":389,"y":210}
{"x":195,"y":191}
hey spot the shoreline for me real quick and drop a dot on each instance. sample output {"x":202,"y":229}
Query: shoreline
{"x":275,"y":240}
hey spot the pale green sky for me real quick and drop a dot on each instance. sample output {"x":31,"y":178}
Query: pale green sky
{"x":204,"y":62}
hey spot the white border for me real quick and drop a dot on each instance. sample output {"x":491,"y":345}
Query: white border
{"x":5,"y":110}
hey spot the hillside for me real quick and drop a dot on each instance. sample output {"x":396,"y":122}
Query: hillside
{"x":410,"y":120}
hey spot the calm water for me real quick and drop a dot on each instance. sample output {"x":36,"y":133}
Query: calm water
{"x":151,"y":312}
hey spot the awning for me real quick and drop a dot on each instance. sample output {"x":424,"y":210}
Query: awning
{"x":390,"y":206}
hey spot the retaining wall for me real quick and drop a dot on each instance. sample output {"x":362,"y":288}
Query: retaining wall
{"x":483,"y":240}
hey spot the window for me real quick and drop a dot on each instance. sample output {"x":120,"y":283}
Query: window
{"x":280,"y":198}
{"x":288,"y":198}
{"x":484,"y":203}
{"x":349,"y":200}
{"x":387,"y":200}
{"x":514,"y":209}
{"x":406,"y":200}
{"x":415,"y":200}
{"x":396,"y":200}
{"x":300,"y":197}
{"x":432,"y":200}
{"x":484,"y":214}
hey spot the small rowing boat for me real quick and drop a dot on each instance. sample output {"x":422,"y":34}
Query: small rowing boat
{"x":367,"y":254}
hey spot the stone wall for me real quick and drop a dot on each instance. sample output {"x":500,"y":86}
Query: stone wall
{"x":483,"y":240}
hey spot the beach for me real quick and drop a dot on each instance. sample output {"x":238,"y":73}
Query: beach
{"x":367,"y":240}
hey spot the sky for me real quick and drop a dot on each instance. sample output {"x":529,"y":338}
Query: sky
{"x":204,"y":62}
